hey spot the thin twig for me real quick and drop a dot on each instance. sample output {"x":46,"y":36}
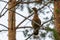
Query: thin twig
{"x":4,"y":13}
{"x":24,"y":27}
{"x":3,"y":30}
{"x":3,"y":1}
{"x":3,"y":10}
{"x":4,"y":7}
{"x":50,"y":9}
{"x":24,"y":20}
{"x":4,"y":26}
{"x":47,"y":21}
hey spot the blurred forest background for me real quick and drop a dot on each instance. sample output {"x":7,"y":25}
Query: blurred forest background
{"x":16,"y":17}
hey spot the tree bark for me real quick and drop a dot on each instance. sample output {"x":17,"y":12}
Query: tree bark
{"x":11,"y":21}
{"x":57,"y":16}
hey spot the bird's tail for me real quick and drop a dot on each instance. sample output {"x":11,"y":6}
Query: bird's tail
{"x":36,"y":32}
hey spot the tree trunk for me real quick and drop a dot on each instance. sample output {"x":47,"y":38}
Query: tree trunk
{"x":11,"y":21}
{"x":57,"y":16}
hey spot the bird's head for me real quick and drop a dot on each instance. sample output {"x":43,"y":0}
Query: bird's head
{"x":35,"y":9}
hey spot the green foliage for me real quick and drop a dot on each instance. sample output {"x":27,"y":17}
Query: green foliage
{"x":57,"y":10}
{"x":25,"y":33}
{"x":48,"y":29}
{"x":46,"y":18}
{"x":56,"y":35}
{"x":21,"y":7}
{"x":43,"y":34}
{"x":29,"y":10}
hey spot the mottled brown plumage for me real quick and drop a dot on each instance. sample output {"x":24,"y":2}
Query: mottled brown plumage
{"x":37,"y":20}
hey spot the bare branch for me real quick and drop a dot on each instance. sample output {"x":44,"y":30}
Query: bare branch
{"x":50,"y":10}
{"x":24,"y":27}
{"x":3,"y":30}
{"x":4,"y":13}
{"x":3,"y":1}
{"x":24,"y":20}
{"x":4,"y":26}
{"x":2,"y":10}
